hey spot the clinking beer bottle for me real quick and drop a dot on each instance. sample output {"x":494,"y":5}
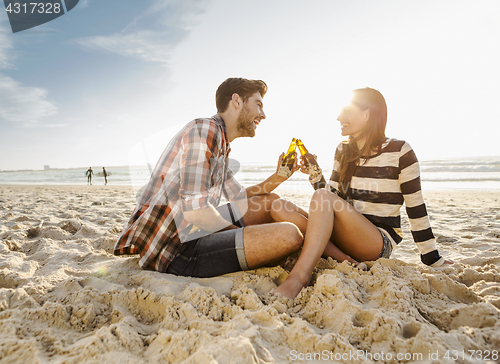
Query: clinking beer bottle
{"x":309,"y":161}
{"x":288,"y":161}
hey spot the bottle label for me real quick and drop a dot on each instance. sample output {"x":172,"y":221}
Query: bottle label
{"x":284,"y":171}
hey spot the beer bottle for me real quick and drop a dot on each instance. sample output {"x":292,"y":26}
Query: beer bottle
{"x":309,"y":161}
{"x":288,"y":161}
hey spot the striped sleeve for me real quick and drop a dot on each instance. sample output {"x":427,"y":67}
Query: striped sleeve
{"x":409,"y":180}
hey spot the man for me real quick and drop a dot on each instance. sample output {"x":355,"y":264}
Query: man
{"x":177,"y":226}
{"x":89,"y":174}
{"x":105,"y":175}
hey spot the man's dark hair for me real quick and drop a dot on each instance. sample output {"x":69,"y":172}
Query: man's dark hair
{"x":241,"y":86}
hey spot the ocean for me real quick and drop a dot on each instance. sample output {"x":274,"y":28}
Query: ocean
{"x":457,"y":174}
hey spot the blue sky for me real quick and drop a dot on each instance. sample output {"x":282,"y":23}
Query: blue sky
{"x":91,"y":86}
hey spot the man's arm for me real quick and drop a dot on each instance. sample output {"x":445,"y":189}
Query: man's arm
{"x":266,"y":186}
{"x":208,"y":219}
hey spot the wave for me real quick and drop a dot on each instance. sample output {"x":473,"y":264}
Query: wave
{"x":465,"y":171}
{"x":459,"y":179}
{"x":486,"y":164}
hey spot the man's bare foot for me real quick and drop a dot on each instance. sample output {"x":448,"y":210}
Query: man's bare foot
{"x":342,"y":257}
{"x":351,"y":260}
{"x":355,"y":263}
{"x":290,"y":288}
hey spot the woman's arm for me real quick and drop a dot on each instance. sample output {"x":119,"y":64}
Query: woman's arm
{"x":409,"y":181}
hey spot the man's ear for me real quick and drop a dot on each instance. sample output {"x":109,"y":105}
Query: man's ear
{"x":236,"y":101}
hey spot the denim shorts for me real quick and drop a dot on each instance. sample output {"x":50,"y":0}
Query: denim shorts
{"x":209,"y":255}
{"x":386,"y":247}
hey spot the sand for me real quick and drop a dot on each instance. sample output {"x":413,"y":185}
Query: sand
{"x":64,"y":297}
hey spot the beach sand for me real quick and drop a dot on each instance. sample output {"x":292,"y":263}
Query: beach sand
{"x":65,"y":298}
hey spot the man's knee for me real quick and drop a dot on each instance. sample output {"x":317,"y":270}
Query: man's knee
{"x":291,"y":234}
{"x":271,"y":198}
{"x":277,"y":205}
{"x":274,"y":196}
{"x":268,"y":200}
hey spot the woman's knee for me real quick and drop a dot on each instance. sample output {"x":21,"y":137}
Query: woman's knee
{"x":324,"y":200}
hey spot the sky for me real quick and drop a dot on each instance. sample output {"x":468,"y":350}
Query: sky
{"x":110,"y":82}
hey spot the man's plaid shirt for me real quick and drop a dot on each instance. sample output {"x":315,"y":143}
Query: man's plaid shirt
{"x":192,"y":174}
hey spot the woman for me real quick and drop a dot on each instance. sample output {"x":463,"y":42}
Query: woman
{"x":356,"y":216}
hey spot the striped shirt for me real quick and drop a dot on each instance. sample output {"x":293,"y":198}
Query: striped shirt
{"x":192,"y":173}
{"x":379,"y":187}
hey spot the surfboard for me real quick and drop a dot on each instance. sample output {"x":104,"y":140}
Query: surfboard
{"x":100,"y":174}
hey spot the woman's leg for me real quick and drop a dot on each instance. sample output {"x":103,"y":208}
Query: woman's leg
{"x":286,"y":211}
{"x":352,"y":233}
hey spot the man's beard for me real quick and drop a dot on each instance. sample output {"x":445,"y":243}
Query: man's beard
{"x":244,"y":125}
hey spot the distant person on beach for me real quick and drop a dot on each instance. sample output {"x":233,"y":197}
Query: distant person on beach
{"x":105,"y":175}
{"x":89,"y":174}
{"x":178,"y":226}
{"x":356,"y":215}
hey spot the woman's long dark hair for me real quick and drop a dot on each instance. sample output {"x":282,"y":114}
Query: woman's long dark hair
{"x":374,"y":133}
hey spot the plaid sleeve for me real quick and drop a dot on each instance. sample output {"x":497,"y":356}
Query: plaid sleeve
{"x":232,"y":188}
{"x":198,"y":146}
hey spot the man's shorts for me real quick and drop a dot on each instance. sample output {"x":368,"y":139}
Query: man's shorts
{"x":214,"y":254}
{"x":387,"y":246}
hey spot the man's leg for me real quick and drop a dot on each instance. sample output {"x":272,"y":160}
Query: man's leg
{"x":284,"y":210}
{"x":236,"y":250}
{"x":229,"y":251}
{"x":269,"y":243}
{"x":264,"y":241}
{"x":257,"y":209}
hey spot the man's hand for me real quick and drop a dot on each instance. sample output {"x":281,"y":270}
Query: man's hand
{"x":295,"y":168}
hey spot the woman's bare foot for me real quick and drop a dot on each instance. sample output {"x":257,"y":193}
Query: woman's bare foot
{"x":291,"y":287}
{"x":361,"y":266}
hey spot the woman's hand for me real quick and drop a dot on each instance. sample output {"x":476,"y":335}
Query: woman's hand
{"x":303,"y":167}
